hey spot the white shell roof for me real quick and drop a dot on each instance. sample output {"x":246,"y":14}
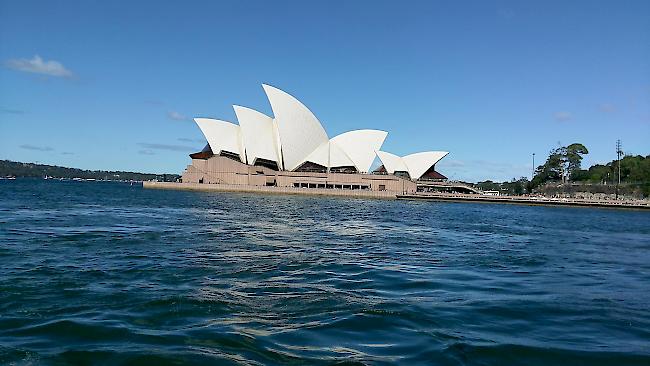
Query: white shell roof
{"x":419,"y":163}
{"x":329,"y":155}
{"x":300,"y":131}
{"x":319,"y":156}
{"x":392,"y":163}
{"x":360,"y":146}
{"x":338,"y":157}
{"x":222,"y":136}
{"x":415,"y":164}
{"x":258,"y":135}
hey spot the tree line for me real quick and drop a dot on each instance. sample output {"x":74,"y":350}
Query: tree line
{"x":564,"y":165}
{"x":26,"y":170}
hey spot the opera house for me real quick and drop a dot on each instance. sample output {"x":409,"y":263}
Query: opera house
{"x":292,"y":152}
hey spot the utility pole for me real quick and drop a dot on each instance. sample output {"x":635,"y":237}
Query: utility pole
{"x":618,"y":162}
{"x":532,"y":176}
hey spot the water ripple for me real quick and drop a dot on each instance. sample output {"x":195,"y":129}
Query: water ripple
{"x":111,"y":273}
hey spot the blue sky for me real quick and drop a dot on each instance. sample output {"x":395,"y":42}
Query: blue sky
{"x":112,"y":84}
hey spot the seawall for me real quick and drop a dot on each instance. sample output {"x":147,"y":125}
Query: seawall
{"x":537,"y":201}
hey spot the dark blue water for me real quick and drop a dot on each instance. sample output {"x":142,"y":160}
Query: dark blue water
{"x":107,"y":273}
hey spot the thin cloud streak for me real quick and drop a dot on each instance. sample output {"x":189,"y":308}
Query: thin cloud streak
{"x":36,"y":148}
{"x":37,"y":65}
{"x":154,"y":102}
{"x":166,"y":147}
{"x":453,"y":163}
{"x":12,"y":111}
{"x":173,"y":115}
{"x":563,"y":116}
{"x":607,"y":108}
{"x":506,"y":13}
{"x":184,"y":139}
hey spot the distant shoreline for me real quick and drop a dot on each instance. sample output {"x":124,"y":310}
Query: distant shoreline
{"x":13,"y":169}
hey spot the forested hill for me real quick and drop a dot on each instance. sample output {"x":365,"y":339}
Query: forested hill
{"x":17,"y":169}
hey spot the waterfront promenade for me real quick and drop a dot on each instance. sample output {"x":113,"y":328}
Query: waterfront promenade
{"x":449,"y":197}
{"x":528,"y":200}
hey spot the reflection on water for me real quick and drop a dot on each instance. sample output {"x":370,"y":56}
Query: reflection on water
{"x":104,"y":272}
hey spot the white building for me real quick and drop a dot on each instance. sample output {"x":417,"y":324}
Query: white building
{"x":294,"y":140}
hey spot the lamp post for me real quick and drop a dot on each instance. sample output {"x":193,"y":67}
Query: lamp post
{"x":532,"y":176}
{"x":618,"y":163}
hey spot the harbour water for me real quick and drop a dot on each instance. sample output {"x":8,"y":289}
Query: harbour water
{"x":108,"y":273}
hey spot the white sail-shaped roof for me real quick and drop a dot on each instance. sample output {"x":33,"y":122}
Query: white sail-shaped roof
{"x":360,"y":146}
{"x":338,"y":157}
{"x":222,"y":136}
{"x":299,"y":130}
{"x":329,"y":155}
{"x":258,"y":135}
{"x":392,"y":163}
{"x":419,"y":163}
{"x":319,"y":156}
{"x":415,"y":164}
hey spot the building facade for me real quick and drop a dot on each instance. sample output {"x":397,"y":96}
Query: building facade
{"x":219,"y":169}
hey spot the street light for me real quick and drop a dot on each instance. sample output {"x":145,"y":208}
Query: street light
{"x":532,"y":176}
{"x":619,"y":152}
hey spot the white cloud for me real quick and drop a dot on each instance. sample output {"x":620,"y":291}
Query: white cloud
{"x":177,"y":116}
{"x":36,"y":65}
{"x":506,"y":13}
{"x":607,"y":108}
{"x":563,"y":116}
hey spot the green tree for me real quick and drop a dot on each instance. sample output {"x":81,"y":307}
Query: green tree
{"x":561,"y":164}
{"x":573,"y":157}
